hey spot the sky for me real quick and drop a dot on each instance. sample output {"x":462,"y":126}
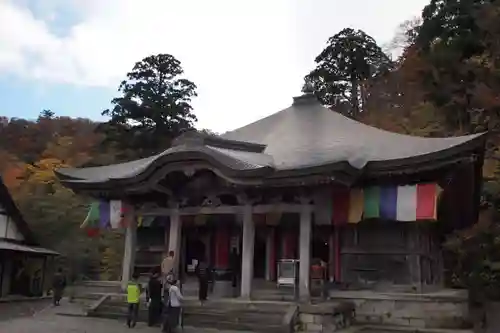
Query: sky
{"x":248,"y":58}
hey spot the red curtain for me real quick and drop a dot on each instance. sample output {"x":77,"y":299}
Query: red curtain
{"x":222,"y":244}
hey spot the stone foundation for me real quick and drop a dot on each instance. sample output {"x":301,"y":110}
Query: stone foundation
{"x":325,"y":317}
{"x":444,"y":309}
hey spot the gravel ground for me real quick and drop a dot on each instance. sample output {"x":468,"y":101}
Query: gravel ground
{"x":42,"y":317}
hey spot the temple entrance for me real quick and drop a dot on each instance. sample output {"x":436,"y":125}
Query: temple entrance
{"x":195,"y":251}
{"x":195,"y":248}
{"x":320,"y":249}
{"x":259,"y":257}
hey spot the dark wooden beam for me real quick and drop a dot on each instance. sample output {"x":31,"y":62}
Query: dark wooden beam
{"x":258,"y":209}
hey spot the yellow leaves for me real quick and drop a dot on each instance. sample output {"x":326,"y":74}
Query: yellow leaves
{"x":43,"y":170}
{"x":67,"y":150}
{"x":490,"y":167}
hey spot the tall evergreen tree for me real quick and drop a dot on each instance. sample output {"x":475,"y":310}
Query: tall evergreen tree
{"x":350,"y":57}
{"x":153,"y":109}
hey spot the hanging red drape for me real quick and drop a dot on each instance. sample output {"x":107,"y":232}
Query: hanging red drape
{"x":222,"y":244}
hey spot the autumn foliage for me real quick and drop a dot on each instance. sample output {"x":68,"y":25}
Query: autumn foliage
{"x":445,"y":82}
{"x":30,"y":151}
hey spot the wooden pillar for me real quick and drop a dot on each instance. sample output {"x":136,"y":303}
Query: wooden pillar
{"x":166,"y":230}
{"x":129,"y":253}
{"x":414,"y":262}
{"x":174,"y":237}
{"x":2,"y":269}
{"x":331,"y":256}
{"x":43,"y":277}
{"x":305,"y":251}
{"x":337,"y":248}
{"x":247,"y":251}
{"x":6,"y":276}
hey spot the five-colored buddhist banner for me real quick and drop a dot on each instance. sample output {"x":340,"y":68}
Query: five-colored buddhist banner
{"x":397,"y":203}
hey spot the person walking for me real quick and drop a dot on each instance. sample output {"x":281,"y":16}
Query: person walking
{"x":153,"y":297}
{"x":58,"y":286}
{"x":134,"y":291}
{"x":235,"y":265}
{"x":203,"y":274}
{"x":172,"y":298}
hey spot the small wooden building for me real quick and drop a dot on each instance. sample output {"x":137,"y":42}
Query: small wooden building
{"x":304,"y":183}
{"x":25,"y":267}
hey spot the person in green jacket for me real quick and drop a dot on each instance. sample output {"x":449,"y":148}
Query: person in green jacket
{"x":134,"y":291}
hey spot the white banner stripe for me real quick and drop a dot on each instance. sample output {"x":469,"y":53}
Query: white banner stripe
{"x":115,"y":213}
{"x":407,"y":203}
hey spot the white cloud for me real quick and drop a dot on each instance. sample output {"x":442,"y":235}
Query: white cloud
{"x":247,"y":57}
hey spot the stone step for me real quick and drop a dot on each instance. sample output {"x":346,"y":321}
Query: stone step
{"x":201,"y":312}
{"x":399,"y":329}
{"x":224,"y":315}
{"x":237,"y":317}
{"x":228,"y":305}
{"x":253,"y":326}
{"x":221,"y":322}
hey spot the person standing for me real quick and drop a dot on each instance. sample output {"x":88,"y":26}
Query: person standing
{"x":167,"y":267}
{"x":153,"y":297}
{"x":202,"y":272}
{"x":235,"y":263}
{"x":133,"y":299}
{"x":58,"y":286}
{"x":172,"y":298}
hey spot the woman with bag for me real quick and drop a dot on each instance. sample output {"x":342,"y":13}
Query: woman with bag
{"x":172,"y":299}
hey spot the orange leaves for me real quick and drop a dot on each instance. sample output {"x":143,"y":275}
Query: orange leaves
{"x":30,"y":152}
{"x":11,"y":169}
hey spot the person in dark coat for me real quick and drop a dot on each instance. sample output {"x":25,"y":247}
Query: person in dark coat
{"x":235,"y":263}
{"x":203,"y":274}
{"x":58,"y":285}
{"x":153,"y":296}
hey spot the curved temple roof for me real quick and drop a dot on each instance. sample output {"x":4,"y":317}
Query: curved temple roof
{"x":298,"y":139}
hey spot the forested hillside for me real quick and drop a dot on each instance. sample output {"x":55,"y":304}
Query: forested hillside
{"x":446,"y":81}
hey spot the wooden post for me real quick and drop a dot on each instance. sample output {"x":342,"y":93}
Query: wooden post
{"x":338,"y":265}
{"x":248,"y":251}
{"x":129,"y":253}
{"x":44,"y":273}
{"x":415,"y":265}
{"x":2,"y":269}
{"x":305,"y":252}
{"x":174,"y":238}
{"x":331,"y":256}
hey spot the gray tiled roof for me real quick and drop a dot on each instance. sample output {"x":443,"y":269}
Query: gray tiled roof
{"x":308,"y":134}
{"x":304,"y":135}
{"x":234,"y":159}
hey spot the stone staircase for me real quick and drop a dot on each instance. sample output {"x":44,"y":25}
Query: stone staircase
{"x":262,"y":317}
{"x":273,"y":310}
{"x":256,"y":316}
